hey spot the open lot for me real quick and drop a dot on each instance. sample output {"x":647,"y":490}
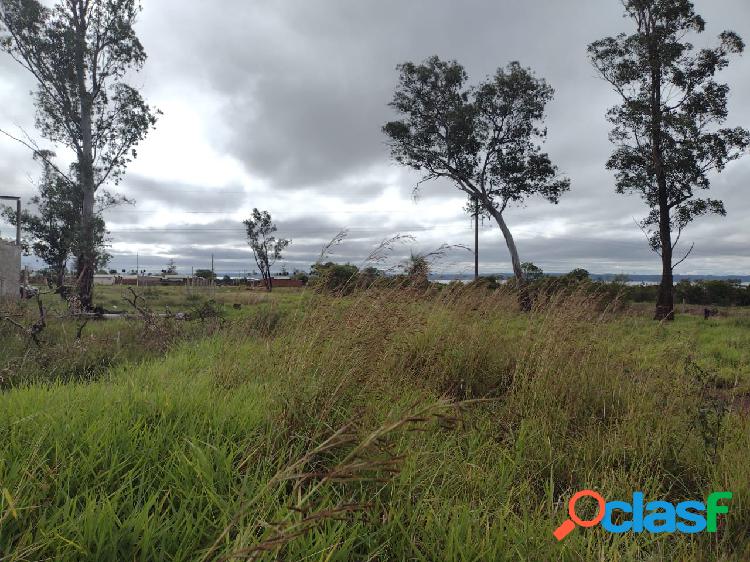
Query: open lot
{"x":386,"y":425}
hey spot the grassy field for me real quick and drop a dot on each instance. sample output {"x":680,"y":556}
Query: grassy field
{"x":386,"y":425}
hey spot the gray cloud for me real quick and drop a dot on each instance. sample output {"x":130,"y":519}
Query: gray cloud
{"x":299,"y":91}
{"x":181,"y":196}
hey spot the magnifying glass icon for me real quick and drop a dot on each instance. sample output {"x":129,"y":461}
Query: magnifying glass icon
{"x":569,"y":524}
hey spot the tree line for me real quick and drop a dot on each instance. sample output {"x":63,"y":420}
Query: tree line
{"x":668,"y":130}
{"x":343,"y":279}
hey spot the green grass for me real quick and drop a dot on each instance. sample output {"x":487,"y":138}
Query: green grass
{"x":141,"y":463}
{"x":347,"y":429}
{"x":62,"y":356}
{"x":182,"y":299}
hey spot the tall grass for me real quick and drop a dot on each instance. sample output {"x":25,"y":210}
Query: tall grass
{"x":69,"y":349}
{"x":396,"y":423}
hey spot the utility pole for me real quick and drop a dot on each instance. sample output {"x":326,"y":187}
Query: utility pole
{"x":18,"y":221}
{"x":137,"y":270}
{"x":476,"y":238}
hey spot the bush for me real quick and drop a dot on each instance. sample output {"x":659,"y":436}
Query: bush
{"x":343,"y":279}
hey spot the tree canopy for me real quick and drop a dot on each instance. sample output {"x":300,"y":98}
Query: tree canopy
{"x":80,"y":53}
{"x":267,"y":249}
{"x":485,"y":139}
{"x":52,"y":228}
{"x":668,"y":132}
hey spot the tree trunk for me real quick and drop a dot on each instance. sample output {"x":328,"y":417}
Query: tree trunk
{"x":265,"y":271}
{"x":476,"y":238}
{"x":86,"y":254}
{"x":665,"y":299}
{"x":60,"y":277}
{"x":524,"y":299}
{"x":86,"y":259}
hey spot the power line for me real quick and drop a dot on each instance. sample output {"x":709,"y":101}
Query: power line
{"x":311,"y":231}
{"x":229,"y":212}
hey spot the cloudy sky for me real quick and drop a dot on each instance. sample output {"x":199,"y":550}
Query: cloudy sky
{"x":279,"y":104}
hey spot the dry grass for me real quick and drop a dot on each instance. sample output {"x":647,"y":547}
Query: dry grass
{"x":396,"y":423}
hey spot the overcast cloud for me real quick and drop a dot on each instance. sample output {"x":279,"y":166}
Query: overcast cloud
{"x":279,"y":105}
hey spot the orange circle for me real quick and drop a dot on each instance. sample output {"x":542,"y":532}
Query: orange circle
{"x":572,"y":511}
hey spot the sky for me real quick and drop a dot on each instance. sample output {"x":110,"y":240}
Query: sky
{"x":279,"y":106}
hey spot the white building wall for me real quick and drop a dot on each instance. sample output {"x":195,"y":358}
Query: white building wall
{"x":10,"y":270}
{"x":104,"y":279}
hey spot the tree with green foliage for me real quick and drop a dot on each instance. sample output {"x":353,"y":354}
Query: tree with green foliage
{"x":80,"y":52}
{"x":205,"y":274}
{"x":300,"y":275}
{"x":578,"y":275}
{"x":370,"y":275}
{"x":334,"y":277}
{"x":531,"y":272}
{"x":267,"y":249}
{"x":52,"y":229}
{"x":667,"y":131}
{"x":485,"y":139}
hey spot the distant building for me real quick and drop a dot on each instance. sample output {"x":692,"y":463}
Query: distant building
{"x":280,"y":281}
{"x":127,"y":280}
{"x":175,"y":279}
{"x":10,"y":270}
{"x":102,"y":279}
{"x":142,"y":280}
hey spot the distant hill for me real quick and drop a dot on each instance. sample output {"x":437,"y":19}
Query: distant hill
{"x":632,"y":278}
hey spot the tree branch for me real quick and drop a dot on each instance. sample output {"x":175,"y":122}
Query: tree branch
{"x":684,"y":257}
{"x":41,"y":154}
